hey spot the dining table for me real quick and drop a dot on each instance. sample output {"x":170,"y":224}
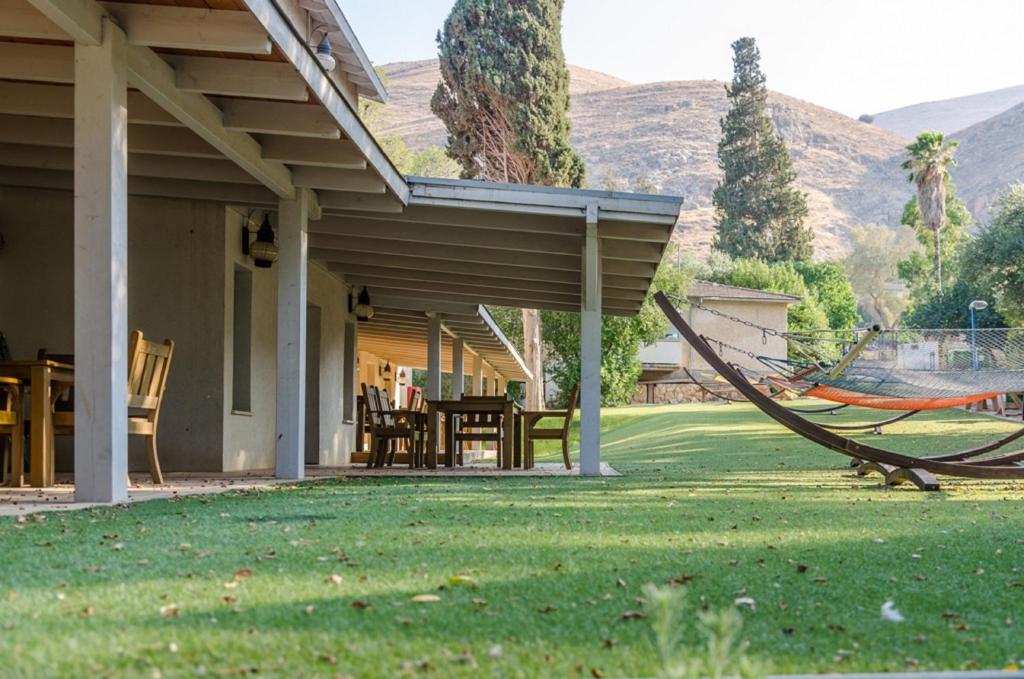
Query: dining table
{"x":511,"y":424}
{"x":41,"y":376}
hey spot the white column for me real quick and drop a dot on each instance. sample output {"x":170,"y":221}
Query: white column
{"x":590,"y":351}
{"x":292,"y":222}
{"x":433,"y":358}
{"x":458,"y":367}
{"x":101,"y":269}
{"x":478,"y":376}
{"x":488,"y":379}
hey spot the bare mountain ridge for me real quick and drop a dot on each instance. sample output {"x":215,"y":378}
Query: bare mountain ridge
{"x":990,"y":157}
{"x":668,"y":133}
{"x":949,"y":115}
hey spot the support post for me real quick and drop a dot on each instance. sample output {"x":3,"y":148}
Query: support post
{"x":101,"y":268}
{"x":502,"y":386}
{"x":488,"y":380}
{"x":292,"y":224}
{"x":478,"y":376}
{"x":590,"y":350}
{"x":433,"y":358}
{"x":458,"y":368}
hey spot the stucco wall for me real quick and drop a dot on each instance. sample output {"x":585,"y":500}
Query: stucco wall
{"x":337,"y":437}
{"x":248,"y":437}
{"x":770,"y":315}
{"x":175,"y":291}
{"x":181,"y":261}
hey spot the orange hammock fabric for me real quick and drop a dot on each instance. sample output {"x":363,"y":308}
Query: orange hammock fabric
{"x":892,"y":403}
{"x":853,"y":398}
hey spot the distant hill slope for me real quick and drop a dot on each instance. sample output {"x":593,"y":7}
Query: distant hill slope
{"x":989,"y":158}
{"x":668,"y":133}
{"x":949,"y":115}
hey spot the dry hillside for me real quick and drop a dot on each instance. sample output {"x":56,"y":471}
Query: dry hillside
{"x":668,"y":133}
{"x":990,"y":156}
{"x":949,"y":115}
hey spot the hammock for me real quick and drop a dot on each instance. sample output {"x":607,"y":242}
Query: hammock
{"x":897,"y":467}
{"x":894,"y":369}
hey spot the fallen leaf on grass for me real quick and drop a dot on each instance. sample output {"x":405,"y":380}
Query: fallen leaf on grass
{"x":463,"y":581}
{"x":333,"y":578}
{"x":243,"y":573}
{"x":746,"y":601}
{"x":547,"y":609}
{"x":633,"y":615}
{"x":229,"y":599}
{"x":328,"y":658}
{"x":169,"y":611}
{"x":358,"y":604}
{"x":479,"y":603}
{"x":87,"y":612}
{"x":425,"y":599}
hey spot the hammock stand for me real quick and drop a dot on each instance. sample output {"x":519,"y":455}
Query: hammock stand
{"x":897,"y":467}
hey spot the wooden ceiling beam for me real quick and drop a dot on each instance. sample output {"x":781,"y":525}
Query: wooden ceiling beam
{"x":276,"y":117}
{"x":186,"y":28}
{"x":341,"y":153}
{"x":382,"y":247}
{"x":358,"y":181}
{"x":238,"y":78}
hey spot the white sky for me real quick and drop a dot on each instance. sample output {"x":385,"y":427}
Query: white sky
{"x":854,"y":56}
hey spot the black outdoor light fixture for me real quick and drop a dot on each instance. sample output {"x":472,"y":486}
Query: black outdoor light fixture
{"x":263,"y":250}
{"x":362,"y":308}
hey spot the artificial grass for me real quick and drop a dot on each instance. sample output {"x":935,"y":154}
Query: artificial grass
{"x":713,"y":496}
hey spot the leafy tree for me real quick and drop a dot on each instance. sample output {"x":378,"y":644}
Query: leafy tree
{"x":918,"y":269}
{"x":781,"y":277}
{"x":621,"y":340}
{"x":504,"y":97}
{"x":996,"y":257}
{"x":429,"y":162}
{"x":504,"y":92}
{"x":873,"y":268}
{"x":758,"y":212}
{"x":949,"y":309}
{"x":929,"y":159}
{"x":830,"y":284}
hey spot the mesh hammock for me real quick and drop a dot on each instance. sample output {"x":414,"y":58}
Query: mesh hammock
{"x":943,"y":365}
{"x":896,"y":369}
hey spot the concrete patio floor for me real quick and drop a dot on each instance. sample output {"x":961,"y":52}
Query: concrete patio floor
{"x":60,"y":497}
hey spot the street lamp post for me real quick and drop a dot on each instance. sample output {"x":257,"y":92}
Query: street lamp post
{"x":976,"y":305}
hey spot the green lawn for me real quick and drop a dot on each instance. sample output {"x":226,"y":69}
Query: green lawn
{"x":715,"y":495}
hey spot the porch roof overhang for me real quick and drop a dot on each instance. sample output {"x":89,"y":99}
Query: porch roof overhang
{"x":460,"y":243}
{"x":400,"y":335}
{"x":228,"y":103}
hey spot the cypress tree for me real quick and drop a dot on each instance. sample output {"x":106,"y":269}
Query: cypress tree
{"x":758,"y":212}
{"x":504,"y":97}
{"x":504,"y":92}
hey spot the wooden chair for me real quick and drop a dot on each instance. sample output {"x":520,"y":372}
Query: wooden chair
{"x":149,"y":363}
{"x":535,"y":433}
{"x":12,"y":426}
{"x":483,"y":427}
{"x":386,"y":430}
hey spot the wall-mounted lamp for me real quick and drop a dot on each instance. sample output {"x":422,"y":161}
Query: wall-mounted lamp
{"x":324,"y":54}
{"x":263,"y":250}
{"x":387,"y":374}
{"x":362,"y":308}
{"x":401,"y":377}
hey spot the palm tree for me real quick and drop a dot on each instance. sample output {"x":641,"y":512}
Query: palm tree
{"x":929,"y":159}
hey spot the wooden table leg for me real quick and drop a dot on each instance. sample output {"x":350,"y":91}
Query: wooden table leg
{"x":508,"y":441}
{"x":18,"y":444}
{"x":42,"y":429}
{"x":431,"y":436}
{"x":449,"y":439}
{"x":518,"y":461}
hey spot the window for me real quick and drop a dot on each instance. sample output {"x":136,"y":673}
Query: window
{"x":241,"y":384}
{"x":348,"y":388}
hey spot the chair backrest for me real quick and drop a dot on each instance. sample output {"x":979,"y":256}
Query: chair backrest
{"x":486,"y":420}
{"x":385,"y":407}
{"x":571,"y":410}
{"x":46,"y":355}
{"x":148,"y":366}
{"x":372,"y":400}
{"x":10,"y":410}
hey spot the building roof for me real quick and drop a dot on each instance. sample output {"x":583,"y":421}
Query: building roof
{"x":717,"y":291}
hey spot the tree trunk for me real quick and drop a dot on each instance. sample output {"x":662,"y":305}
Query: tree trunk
{"x":534,"y":359}
{"x":938,"y":257}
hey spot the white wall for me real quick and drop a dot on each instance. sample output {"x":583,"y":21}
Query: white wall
{"x":181,"y":261}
